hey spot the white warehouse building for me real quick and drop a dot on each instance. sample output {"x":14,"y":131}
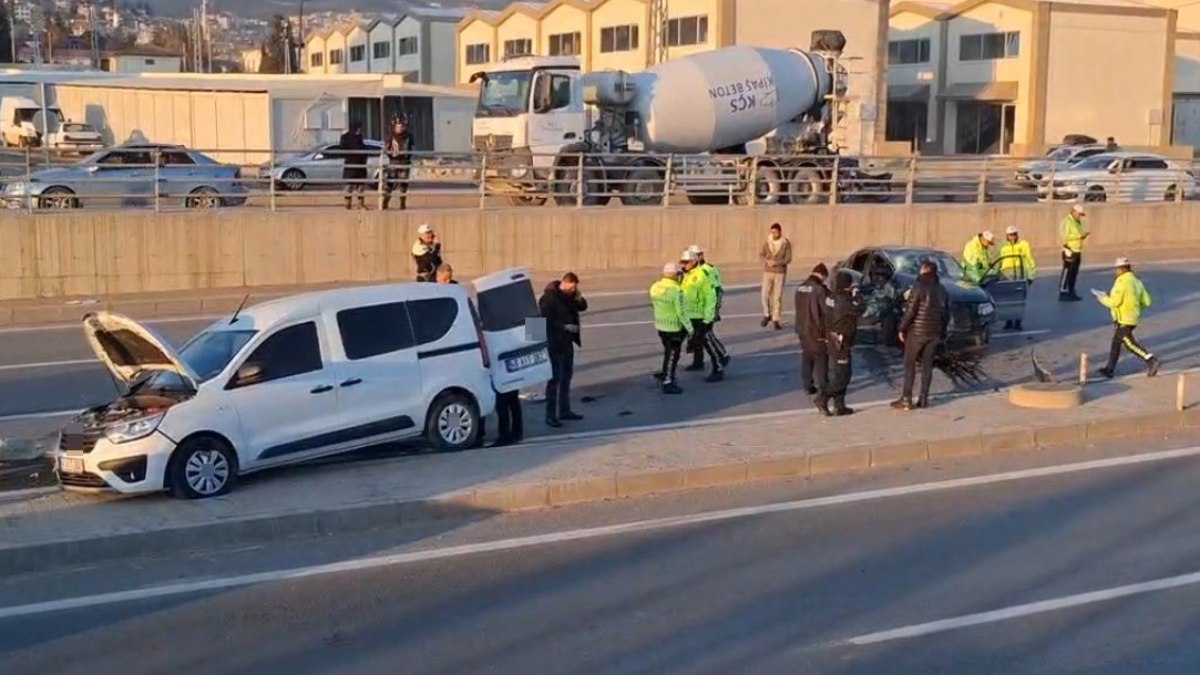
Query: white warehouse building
{"x":418,"y":45}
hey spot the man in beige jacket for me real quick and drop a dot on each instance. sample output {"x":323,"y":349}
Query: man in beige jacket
{"x":776,"y":255}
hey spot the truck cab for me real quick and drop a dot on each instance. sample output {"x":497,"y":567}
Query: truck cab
{"x":529,"y":108}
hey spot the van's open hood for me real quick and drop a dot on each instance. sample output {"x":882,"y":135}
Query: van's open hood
{"x":130,"y":349}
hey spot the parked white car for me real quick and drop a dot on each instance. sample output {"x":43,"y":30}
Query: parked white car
{"x":320,"y":167}
{"x":1029,"y":174}
{"x":1121,"y":177}
{"x":300,"y":378}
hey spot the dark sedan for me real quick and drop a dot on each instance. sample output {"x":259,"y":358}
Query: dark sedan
{"x":886,"y":273}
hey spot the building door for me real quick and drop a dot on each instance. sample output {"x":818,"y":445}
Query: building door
{"x":907,"y":121}
{"x":1009,"y":129}
{"x":1185,"y":127}
{"x":979,"y":128}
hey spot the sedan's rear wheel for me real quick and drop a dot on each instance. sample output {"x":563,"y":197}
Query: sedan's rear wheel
{"x":292,"y":179}
{"x":57,"y":198}
{"x":204,"y":198}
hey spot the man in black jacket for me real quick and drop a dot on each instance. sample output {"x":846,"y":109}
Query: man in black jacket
{"x":922,"y":331}
{"x":810,"y":328}
{"x":353,"y":152}
{"x":399,"y":153}
{"x":843,"y":309}
{"x":560,"y":305}
{"x":427,"y":253}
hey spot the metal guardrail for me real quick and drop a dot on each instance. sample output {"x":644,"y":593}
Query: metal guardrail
{"x":38,"y":179}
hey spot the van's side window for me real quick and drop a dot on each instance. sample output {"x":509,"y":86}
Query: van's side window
{"x":295,"y":350}
{"x":433,"y":318}
{"x":375,"y":330}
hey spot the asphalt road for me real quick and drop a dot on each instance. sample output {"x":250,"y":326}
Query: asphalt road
{"x":1019,"y":570}
{"x":51,"y":370}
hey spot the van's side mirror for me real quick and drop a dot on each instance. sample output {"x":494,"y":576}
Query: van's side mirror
{"x":1114,"y":169}
{"x":249,"y":373}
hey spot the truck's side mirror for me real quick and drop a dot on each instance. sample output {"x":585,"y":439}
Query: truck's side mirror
{"x":478,"y":77}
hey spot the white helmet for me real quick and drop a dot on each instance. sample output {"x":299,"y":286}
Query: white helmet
{"x":695,"y":250}
{"x":670,"y":270}
{"x":688,"y":256}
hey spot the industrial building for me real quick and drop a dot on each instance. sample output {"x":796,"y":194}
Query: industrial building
{"x":418,"y":45}
{"x":620,"y":34}
{"x":242,"y":118}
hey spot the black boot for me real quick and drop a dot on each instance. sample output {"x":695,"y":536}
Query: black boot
{"x":715,"y":376}
{"x":902,"y":403}
{"x":923,"y":402}
{"x":822,"y":405}
{"x":840,"y":409}
{"x":387,"y":201}
{"x":553,"y":422}
{"x":660,"y":377}
{"x":570,"y":416}
{"x":1019,"y":324}
{"x":403,"y":203}
{"x":697,"y":366}
{"x":1153,"y":365}
{"x":1008,"y":325}
{"x":671,"y":388}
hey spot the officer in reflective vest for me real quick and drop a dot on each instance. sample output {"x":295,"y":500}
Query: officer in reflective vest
{"x":977,"y":257}
{"x":1125,"y":302}
{"x":1074,"y":233}
{"x":700,"y":305}
{"x":1016,"y":263}
{"x":714,"y":277}
{"x":672,"y":323}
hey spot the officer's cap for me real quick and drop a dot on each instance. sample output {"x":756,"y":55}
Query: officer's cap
{"x":670,"y":270}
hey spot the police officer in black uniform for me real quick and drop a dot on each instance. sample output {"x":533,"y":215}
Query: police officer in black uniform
{"x":843,"y":309}
{"x":810,"y":328}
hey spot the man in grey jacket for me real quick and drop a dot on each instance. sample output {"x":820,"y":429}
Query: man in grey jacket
{"x":776,"y":255}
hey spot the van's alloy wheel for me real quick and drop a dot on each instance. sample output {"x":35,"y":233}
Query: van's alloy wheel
{"x":202,"y":467}
{"x":455,"y":424}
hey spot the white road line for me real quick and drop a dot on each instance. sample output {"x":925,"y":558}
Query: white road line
{"x":1029,"y":609}
{"x":47,"y":364}
{"x":376,"y":562}
{"x":39,"y":415}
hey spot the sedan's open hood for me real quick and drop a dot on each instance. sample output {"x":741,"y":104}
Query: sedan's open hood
{"x":130,"y":349}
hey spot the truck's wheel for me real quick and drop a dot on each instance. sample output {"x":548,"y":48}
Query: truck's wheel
{"x":769,"y":187}
{"x":526,"y":200}
{"x":643,"y":187}
{"x":566,"y":186}
{"x":805,"y":187}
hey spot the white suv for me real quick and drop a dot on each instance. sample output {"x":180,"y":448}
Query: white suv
{"x":304,"y":377}
{"x":1120,"y":177}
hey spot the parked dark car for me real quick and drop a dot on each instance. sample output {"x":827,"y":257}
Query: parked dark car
{"x":886,"y":273}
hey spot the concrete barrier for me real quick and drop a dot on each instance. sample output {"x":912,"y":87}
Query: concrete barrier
{"x":92,"y":254}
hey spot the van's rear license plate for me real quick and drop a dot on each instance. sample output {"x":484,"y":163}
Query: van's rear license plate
{"x":70,"y":465}
{"x":526,"y":361}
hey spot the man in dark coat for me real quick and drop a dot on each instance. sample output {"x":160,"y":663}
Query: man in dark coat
{"x":353,"y":152}
{"x":561,"y":304}
{"x":810,"y":328}
{"x":922,"y":331}
{"x":399,"y":152}
{"x":843,"y":309}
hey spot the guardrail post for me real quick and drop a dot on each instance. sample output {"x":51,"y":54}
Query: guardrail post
{"x":983,"y":176}
{"x":752,"y":198}
{"x":380,"y":186}
{"x":579,"y":186}
{"x":910,"y":184}
{"x":1050,"y":191}
{"x":271,"y":178}
{"x":157,"y":181}
{"x":835,"y":178}
{"x":668,"y":175}
{"x":483,"y":180}
{"x":28,"y":180}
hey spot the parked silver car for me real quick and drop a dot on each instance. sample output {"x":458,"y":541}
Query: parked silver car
{"x":131,"y":176}
{"x":1029,"y":174}
{"x":1121,"y":177}
{"x":319,"y":167}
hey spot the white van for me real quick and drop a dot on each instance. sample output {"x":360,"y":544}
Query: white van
{"x":24,"y":123}
{"x":288,"y":381}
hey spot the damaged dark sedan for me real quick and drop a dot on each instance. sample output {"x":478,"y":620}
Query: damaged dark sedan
{"x":885,"y":274}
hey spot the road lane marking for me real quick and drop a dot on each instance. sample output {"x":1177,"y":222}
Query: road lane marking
{"x":651,"y":525}
{"x":1019,"y":611}
{"x":47,"y":364}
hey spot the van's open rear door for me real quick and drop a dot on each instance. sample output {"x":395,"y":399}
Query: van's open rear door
{"x":513,"y":329}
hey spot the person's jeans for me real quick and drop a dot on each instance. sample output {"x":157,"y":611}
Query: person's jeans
{"x":772,"y":294}
{"x":918,"y":350}
{"x":508,"y":414}
{"x":558,"y":389}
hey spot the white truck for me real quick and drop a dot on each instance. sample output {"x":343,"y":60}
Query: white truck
{"x":547,"y":129}
{"x":25,"y":123}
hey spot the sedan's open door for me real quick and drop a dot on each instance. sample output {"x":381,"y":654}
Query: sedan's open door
{"x":1008,"y":286}
{"x":513,"y":330}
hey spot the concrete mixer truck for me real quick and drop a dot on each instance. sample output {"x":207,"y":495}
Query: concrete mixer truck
{"x":547,"y":130}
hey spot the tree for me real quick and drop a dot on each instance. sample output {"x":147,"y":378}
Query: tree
{"x":279,"y":51}
{"x":6,"y":44}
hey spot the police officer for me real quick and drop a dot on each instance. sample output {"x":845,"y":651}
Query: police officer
{"x":672,"y":323}
{"x":810,"y":328}
{"x":977,"y":258}
{"x":843,"y":310}
{"x":1126,"y":301}
{"x":700,"y":306}
{"x":1074,"y":233}
{"x":1016,"y":263}
{"x":714,"y":276}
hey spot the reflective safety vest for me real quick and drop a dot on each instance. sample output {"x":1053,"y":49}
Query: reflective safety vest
{"x":1127,"y":299}
{"x":976,"y":259}
{"x":666,"y":296}
{"x":699,"y":295}
{"x":714,"y":277}
{"x":1017,"y":258}
{"x":1073,"y":230}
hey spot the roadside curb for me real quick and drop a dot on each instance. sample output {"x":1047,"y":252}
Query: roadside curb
{"x":476,"y":504}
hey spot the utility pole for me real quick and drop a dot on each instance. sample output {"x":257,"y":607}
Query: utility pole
{"x":12,"y":30}
{"x":658,"y":31}
{"x":95,"y":37}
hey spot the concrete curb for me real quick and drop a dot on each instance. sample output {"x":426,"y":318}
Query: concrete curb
{"x":519,"y":497}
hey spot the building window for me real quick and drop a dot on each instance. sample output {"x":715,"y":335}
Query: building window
{"x":522,"y":47}
{"x":408,"y":45}
{"x":989,"y":46}
{"x":358,"y":53}
{"x":687,"y":30}
{"x":566,"y":44}
{"x":907,"y":121}
{"x":317,"y":60}
{"x":908,"y":52}
{"x":335,"y":57}
{"x":618,"y":39}
{"x":480,"y":53}
{"x":381,"y":50}
{"x":149,"y":62}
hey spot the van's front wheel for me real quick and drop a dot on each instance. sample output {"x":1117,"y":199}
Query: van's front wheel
{"x":202,"y":467}
{"x":453,"y":423}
